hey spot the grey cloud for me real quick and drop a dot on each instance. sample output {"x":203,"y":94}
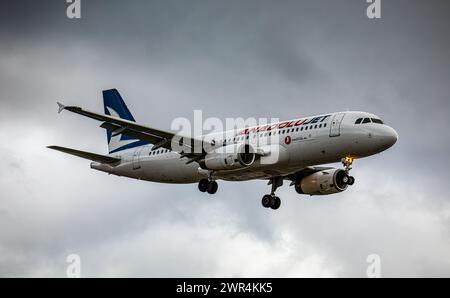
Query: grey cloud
{"x":230,"y":59}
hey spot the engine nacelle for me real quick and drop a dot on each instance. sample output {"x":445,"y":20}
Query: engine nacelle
{"x":230,"y":158}
{"x":325,"y":182}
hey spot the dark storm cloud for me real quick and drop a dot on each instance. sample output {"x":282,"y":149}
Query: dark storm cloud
{"x":230,"y":59}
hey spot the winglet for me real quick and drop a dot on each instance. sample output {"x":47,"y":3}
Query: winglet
{"x":61,"y":107}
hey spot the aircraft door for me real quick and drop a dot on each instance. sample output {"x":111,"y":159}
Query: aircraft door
{"x":136,"y":155}
{"x":335,"y":127}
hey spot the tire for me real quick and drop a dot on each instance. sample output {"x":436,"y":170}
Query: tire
{"x":351,"y":180}
{"x":212,"y":187}
{"x":203,"y":185}
{"x":275,"y":203}
{"x":266,"y":201}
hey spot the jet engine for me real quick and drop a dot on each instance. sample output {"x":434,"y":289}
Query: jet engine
{"x":324,"y":182}
{"x":229,"y":158}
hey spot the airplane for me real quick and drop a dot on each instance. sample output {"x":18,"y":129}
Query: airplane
{"x":294,"y":151}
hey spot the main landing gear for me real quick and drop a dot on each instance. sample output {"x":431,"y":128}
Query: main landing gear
{"x":208,"y":186}
{"x":272,"y":201}
{"x":347,"y":162}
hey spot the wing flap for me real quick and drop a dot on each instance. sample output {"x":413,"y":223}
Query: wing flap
{"x":87,"y":155}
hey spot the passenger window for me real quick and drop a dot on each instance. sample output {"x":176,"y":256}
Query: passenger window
{"x":366,"y":120}
{"x":315,"y":126}
{"x":296,"y":129}
{"x":325,"y":125}
{"x":320,"y":125}
{"x":301,"y":128}
{"x":306,"y":127}
{"x":358,"y":121}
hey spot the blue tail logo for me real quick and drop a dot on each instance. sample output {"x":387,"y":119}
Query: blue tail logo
{"x":116,"y":107}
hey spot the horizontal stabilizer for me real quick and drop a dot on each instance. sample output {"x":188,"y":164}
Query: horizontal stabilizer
{"x":87,"y":155}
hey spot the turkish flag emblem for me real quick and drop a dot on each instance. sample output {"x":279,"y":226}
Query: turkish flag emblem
{"x":287,"y":140}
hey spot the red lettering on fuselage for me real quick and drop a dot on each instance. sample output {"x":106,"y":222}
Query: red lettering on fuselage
{"x":285,"y":124}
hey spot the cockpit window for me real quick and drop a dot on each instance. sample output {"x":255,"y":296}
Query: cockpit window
{"x":358,"y":121}
{"x":366,"y":120}
{"x":378,"y":121}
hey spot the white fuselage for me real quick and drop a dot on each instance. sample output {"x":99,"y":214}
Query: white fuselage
{"x":300,"y":143}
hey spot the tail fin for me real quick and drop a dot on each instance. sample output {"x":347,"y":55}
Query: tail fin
{"x":116,"y":107}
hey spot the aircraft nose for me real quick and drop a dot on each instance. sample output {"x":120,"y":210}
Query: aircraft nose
{"x":390,"y":137}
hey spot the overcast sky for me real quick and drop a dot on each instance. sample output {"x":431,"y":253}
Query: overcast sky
{"x":282,"y":59}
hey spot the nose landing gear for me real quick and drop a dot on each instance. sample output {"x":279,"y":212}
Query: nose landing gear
{"x":348,"y":162}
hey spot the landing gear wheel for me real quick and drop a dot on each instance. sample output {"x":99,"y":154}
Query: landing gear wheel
{"x":266,"y":201}
{"x":272,"y":201}
{"x":203,"y":185}
{"x":212,"y":187}
{"x":275,"y":203}
{"x":351,"y":180}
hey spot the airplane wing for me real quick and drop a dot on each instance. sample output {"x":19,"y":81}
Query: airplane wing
{"x":160,"y":138}
{"x":87,"y":155}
